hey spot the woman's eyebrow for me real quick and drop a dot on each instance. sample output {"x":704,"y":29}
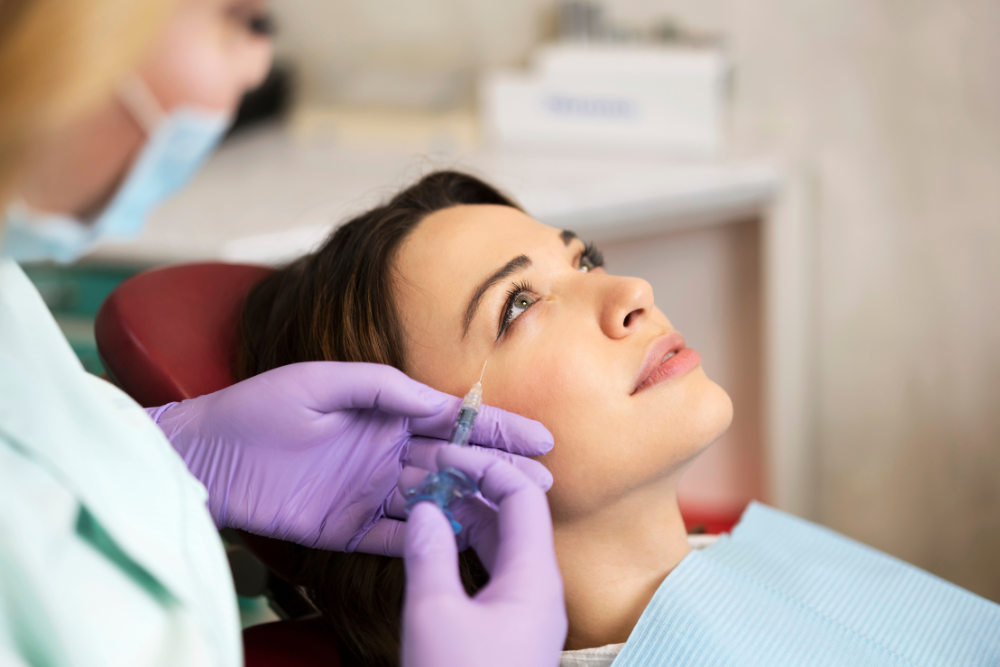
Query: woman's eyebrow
{"x":517,"y":264}
{"x":567,"y":236}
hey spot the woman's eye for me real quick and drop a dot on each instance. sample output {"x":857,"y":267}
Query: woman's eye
{"x":520,"y":304}
{"x":591,"y":259}
{"x":519,"y":299}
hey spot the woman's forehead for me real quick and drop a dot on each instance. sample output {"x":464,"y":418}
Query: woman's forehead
{"x":479,"y":234}
{"x":485,"y":223}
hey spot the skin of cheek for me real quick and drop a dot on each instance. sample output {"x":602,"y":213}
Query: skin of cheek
{"x":608,"y":443}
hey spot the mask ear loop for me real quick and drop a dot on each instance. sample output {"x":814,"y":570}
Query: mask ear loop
{"x":141,"y":104}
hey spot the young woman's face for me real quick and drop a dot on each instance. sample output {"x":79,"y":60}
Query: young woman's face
{"x":567,"y":344}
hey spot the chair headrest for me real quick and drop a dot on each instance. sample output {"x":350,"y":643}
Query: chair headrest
{"x":170,"y":334}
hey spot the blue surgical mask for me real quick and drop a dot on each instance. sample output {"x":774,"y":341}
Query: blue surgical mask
{"x":178,"y":144}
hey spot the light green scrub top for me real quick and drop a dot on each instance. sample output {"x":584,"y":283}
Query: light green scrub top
{"x":108,"y":555}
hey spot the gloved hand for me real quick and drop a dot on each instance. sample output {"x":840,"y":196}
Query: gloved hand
{"x":311,"y":452}
{"x":519,"y":618}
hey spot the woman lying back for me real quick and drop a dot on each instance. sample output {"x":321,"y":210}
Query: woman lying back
{"x":451,"y":273}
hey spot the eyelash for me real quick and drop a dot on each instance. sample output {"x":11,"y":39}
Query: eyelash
{"x":517,"y":289}
{"x":590,"y":254}
{"x":593,"y":255}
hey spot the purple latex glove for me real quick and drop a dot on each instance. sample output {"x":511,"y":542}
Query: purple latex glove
{"x":519,"y":618}
{"x":311,"y":452}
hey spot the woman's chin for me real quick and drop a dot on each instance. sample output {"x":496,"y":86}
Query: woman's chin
{"x":715,"y":413}
{"x":708,"y":412}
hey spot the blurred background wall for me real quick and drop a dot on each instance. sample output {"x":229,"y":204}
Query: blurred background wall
{"x":884,"y":116}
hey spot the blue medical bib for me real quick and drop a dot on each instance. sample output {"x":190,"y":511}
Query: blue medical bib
{"x":783,"y":591}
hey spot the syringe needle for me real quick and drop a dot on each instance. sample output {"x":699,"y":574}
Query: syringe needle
{"x":484,"y":371}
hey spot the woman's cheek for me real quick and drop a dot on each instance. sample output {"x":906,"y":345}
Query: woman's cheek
{"x":520,"y":381}
{"x":561,"y":385}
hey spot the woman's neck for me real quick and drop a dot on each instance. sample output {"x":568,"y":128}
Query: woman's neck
{"x":613,"y":562}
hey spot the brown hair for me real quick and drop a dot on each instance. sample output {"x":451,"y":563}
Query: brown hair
{"x":338,"y":304}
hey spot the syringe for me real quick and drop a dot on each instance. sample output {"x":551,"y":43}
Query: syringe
{"x":448,"y":486}
{"x":462,"y":429}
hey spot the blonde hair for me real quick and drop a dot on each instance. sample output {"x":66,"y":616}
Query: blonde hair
{"x":60,"y":58}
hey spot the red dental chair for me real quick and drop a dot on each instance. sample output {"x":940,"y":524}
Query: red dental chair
{"x":169,"y":334}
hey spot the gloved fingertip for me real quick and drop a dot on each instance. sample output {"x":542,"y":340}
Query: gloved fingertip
{"x":545,"y":446}
{"x":511,"y":432}
{"x":525,"y":447}
{"x":533,"y":438}
{"x":537,"y":472}
{"x":545,"y":479}
{"x":542,"y":437}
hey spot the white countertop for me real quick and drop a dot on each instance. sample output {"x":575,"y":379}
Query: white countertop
{"x":268,"y":196}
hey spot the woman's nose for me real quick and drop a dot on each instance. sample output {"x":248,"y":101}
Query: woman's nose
{"x":627,"y":302}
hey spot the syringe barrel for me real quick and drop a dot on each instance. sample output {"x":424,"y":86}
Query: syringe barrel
{"x":462,"y":430}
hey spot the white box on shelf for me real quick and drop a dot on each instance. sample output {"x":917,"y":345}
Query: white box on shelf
{"x":622,"y":98}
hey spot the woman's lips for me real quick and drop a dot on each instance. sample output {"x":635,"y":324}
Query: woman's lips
{"x":667,"y":358}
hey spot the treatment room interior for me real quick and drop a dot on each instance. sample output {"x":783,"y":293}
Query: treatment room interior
{"x":815,"y":201}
